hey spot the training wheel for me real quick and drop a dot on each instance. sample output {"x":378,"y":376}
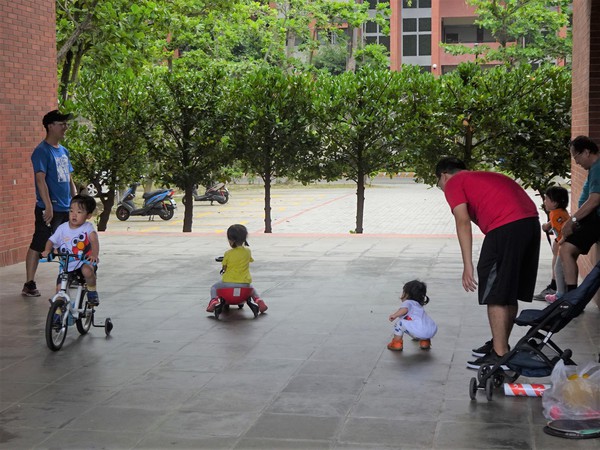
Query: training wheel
{"x":473,"y":388}
{"x":108,"y":326}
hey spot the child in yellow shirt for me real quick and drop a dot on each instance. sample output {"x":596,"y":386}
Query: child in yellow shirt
{"x":236,"y":267}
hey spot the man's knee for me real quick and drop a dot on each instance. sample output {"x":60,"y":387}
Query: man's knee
{"x":568,"y":251}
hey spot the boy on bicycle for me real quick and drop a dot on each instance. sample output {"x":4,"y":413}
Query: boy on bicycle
{"x":78,"y":236}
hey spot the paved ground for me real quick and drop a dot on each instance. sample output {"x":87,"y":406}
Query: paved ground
{"x":311,"y":373}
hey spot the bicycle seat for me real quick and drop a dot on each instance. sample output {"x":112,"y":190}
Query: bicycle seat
{"x":235,"y":295}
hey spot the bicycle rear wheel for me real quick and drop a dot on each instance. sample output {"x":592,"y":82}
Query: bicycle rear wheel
{"x":56,"y":326}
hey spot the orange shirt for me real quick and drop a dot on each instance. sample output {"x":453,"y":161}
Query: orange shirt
{"x":558,"y":217}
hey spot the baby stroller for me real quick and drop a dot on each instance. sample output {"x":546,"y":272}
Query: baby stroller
{"x":535,"y":355}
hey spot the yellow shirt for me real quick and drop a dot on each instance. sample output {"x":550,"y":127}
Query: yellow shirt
{"x":237,"y":261}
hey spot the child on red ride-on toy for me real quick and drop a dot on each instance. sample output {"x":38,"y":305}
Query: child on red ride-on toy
{"x":236,"y":268}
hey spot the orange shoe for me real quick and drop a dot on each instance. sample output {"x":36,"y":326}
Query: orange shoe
{"x":262,"y":306}
{"x":425,"y":344}
{"x":212,"y":304}
{"x":396,"y":345}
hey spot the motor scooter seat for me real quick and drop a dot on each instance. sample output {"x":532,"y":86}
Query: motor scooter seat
{"x":147,"y":195}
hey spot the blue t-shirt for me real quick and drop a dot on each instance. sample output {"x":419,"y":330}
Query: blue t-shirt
{"x":55,"y":163}
{"x":592,"y":184}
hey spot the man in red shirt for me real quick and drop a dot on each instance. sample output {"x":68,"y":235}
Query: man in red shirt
{"x":508,"y":261}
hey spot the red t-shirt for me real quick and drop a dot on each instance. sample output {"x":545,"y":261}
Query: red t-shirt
{"x":492,"y":199}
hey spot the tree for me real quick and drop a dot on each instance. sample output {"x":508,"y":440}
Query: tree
{"x":516,"y":120}
{"x":527,"y":31}
{"x":102,"y":33}
{"x":271,"y":126}
{"x":361,"y":123}
{"x":107,"y":142}
{"x":187,"y":136}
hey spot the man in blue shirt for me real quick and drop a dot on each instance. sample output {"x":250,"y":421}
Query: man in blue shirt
{"x":583,"y":229}
{"x":54,"y":188}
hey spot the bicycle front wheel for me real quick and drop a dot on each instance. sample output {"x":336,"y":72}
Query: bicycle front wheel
{"x":56,"y":326}
{"x":85,"y":318}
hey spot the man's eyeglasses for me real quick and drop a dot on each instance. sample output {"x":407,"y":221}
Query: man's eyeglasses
{"x":63,"y":124}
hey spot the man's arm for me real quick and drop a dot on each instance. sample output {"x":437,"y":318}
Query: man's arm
{"x":589,"y":207}
{"x":40,"y":181}
{"x":465,"y":239}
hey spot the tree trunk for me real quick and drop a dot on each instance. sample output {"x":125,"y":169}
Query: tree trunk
{"x":360,"y":202}
{"x":108,"y":201}
{"x":352,"y":45}
{"x":66,"y":75}
{"x":188,"y":212}
{"x":267,"y":180}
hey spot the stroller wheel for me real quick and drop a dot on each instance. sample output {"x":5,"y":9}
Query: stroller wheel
{"x":483,"y":371}
{"x":498,"y":380}
{"x":473,"y":388}
{"x":489,"y":389}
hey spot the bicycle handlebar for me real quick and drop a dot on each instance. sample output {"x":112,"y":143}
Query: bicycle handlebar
{"x":66,"y":256}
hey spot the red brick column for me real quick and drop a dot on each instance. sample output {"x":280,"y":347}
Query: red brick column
{"x":28,"y":86}
{"x":586,"y":98}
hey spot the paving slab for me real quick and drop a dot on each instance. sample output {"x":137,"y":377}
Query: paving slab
{"x":311,"y":373}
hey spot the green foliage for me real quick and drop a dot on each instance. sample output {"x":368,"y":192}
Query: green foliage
{"x":528,"y":31}
{"x":362,"y":124}
{"x":106,"y":142}
{"x":186,"y":135}
{"x":517,"y":120}
{"x":271,"y":116}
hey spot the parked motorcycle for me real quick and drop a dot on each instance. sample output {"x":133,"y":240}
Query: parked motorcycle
{"x":217,"y":193}
{"x":156,"y":203}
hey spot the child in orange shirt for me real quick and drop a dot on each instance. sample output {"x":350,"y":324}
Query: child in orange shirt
{"x":556,"y":201}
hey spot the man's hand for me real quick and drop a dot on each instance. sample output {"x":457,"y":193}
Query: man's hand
{"x":47,"y":215}
{"x":567,"y":230}
{"x":468,"y":280}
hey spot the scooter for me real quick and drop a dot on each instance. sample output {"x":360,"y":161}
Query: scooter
{"x":156,"y":203}
{"x":217,"y":193}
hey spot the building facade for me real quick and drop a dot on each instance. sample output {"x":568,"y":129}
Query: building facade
{"x":28,"y":90}
{"x":417,"y":28}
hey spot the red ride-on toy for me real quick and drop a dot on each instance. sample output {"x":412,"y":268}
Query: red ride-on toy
{"x":235,"y":296}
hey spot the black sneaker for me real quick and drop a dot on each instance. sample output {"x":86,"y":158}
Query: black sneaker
{"x":484,"y":349}
{"x":491,"y":358}
{"x":30,"y":290}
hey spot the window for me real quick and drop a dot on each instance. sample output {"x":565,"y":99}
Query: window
{"x":409,"y":45}
{"x":416,"y":35}
{"x":416,"y":4}
{"x":424,"y":45}
{"x":409,"y":25}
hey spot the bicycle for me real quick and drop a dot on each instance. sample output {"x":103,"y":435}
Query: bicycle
{"x":69,"y":305}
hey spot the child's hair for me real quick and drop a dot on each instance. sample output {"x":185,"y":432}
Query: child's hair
{"x":416,"y":290}
{"x":86,"y":202}
{"x":238,"y":234}
{"x":559,"y":195}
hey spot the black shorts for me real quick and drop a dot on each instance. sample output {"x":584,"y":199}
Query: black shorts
{"x":508,"y":263}
{"x":586,"y":234}
{"x":42,"y":231}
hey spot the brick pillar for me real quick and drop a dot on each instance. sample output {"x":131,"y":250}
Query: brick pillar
{"x":586,"y":99}
{"x":28,"y":89}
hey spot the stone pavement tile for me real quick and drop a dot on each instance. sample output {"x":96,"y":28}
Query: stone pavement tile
{"x":416,"y":433}
{"x":170,"y":440}
{"x":483,"y":434}
{"x":293,"y":426}
{"x":206,"y":424}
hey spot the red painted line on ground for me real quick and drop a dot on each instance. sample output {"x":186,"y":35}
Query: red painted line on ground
{"x":288,"y":235}
{"x":285,"y":219}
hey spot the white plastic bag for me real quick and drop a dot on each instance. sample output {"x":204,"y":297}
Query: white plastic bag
{"x":575,"y":392}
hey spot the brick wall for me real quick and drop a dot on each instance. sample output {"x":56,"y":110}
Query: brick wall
{"x":586,"y":98}
{"x":28,"y":86}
